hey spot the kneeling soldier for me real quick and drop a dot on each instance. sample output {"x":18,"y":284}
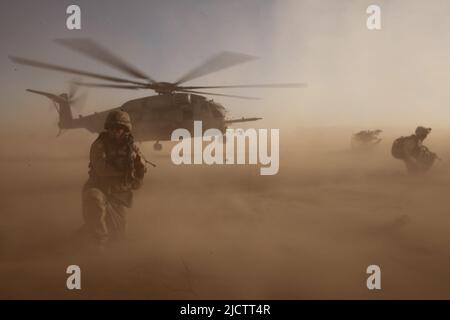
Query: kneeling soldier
{"x":116,"y":168}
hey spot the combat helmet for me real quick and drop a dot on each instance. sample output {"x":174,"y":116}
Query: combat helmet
{"x":118,"y":117}
{"x":422,"y":131}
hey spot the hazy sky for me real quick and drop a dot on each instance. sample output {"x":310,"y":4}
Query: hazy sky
{"x":399,"y":74}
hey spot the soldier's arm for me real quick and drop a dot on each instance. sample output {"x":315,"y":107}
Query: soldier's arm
{"x":99,"y":162}
{"x":139,"y":163}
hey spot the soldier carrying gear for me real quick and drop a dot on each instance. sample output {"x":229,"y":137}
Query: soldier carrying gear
{"x":116,"y":168}
{"x":366,"y":138}
{"x":417,"y":157}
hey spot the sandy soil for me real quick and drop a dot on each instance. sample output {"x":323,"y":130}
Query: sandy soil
{"x":199,"y":232}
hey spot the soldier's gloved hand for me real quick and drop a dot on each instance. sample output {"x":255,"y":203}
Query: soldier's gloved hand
{"x":140,"y":172}
{"x":139,"y":167}
{"x":136,"y":183}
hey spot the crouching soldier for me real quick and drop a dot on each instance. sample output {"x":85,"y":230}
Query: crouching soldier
{"x":116,"y":168}
{"x":365,"y":139}
{"x":410,"y":149}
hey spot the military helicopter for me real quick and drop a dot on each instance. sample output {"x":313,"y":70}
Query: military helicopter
{"x":154,"y":117}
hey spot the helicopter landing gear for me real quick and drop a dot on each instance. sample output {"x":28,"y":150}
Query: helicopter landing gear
{"x":157,"y":146}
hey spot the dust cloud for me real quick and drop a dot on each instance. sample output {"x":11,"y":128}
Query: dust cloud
{"x":216,"y":232}
{"x":210,"y":232}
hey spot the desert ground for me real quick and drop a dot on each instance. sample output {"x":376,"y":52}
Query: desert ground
{"x":226,"y":232}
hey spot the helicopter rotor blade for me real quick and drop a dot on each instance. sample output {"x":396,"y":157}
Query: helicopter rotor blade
{"x":51,"y":96}
{"x":55,"y":106}
{"x":219,"y":94}
{"x":269,"y":85}
{"x":73,"y":88}
{"x":49,"y":66}
{"x":218,"y":62}
{"x":93,"y":50}
{"x":79,"y":102}
{"x":107,"y":85}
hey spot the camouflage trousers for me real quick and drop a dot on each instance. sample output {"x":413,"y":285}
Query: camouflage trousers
{"x":105,"y":219}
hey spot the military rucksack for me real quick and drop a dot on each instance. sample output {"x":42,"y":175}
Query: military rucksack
{"x":398,"y":150}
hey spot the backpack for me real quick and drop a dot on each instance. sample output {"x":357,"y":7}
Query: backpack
{"x":397,"y":149}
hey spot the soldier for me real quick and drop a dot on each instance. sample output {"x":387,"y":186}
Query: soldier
{"x":366,"y":138}
{"x":410,"y":149}
{"x":116,"y":168}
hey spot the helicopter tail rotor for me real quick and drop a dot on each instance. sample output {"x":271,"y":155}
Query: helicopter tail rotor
{"x":62,"y":105}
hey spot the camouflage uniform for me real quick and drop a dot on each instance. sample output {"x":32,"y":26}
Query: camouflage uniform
{"x":116,"y":169}
{"x":417,"y":157}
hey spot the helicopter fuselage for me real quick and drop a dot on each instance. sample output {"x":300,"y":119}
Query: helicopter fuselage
{"x":154,"y":118}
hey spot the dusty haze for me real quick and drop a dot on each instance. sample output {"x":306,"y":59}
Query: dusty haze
{"x":227,"y":232}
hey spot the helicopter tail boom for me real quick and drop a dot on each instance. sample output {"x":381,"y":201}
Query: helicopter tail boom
{"x":62,"y":106}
